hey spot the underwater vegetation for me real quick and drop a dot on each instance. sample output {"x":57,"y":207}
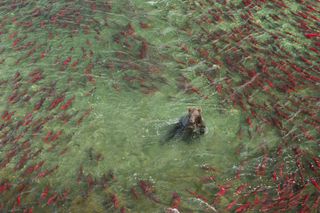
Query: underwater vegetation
{"x":86,"y":85}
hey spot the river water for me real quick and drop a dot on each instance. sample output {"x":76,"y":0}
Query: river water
{"x":89,"y":90}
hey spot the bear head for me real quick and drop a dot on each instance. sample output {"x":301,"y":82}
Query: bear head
{"x":195,"y":116}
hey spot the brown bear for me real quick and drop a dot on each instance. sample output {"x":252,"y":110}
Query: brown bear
{"x":193,"y":121}
{"x":189,"y":126}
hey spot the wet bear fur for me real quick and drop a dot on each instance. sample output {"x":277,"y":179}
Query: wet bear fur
{"x":189,"y":126}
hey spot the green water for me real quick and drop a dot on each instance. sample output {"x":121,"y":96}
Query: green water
{"x":128,"y":130}
{"x":125,"y":100}
{"x":126,"y":127}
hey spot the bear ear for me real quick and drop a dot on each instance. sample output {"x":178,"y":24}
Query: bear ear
{"x":200,"y":110}
{"x":189,"y":109}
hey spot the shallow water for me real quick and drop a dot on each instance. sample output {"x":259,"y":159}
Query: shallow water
{"x":112,"y":76}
